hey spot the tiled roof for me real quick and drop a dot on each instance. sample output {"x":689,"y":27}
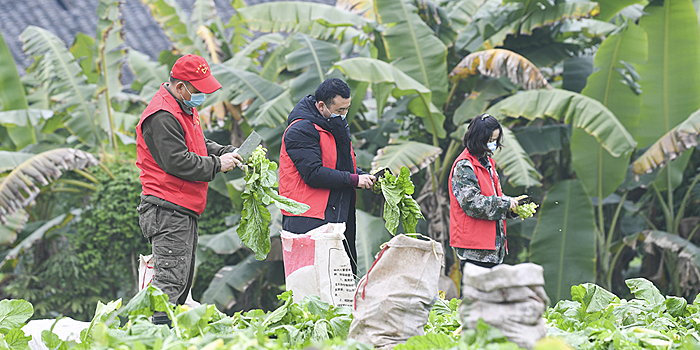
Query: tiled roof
{"x":66,"y":18}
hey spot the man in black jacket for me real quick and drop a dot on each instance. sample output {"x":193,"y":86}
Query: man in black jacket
{"x":317,"y":163}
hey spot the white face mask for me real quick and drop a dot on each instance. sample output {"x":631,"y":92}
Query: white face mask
{"x":492,"y":146}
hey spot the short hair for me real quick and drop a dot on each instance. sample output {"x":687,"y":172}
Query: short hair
{"x":175,"y":80}
{"x":478,"y":134}
{"x":331,"y":88}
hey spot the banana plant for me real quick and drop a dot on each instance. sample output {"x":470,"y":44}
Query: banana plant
{"x":22,"y":185}
{"x":669,"y":82}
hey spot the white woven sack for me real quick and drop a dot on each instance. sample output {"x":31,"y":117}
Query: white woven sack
{"x":146,"y":277}
{"x":393,"y":300}
{"x":315,"y":263}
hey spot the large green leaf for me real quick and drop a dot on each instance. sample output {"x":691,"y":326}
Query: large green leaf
{"x":150,"y":74}
{"x":516,"y":165}
{"x":239,"y":86}
{"x":414,"y":46}
{"x":12,"y":93}
{"x":478,"y":100}
{"x":683,"y":137}
{"x":564,"y":239}
{"x":226,"y":242}
{"x":173,"y":20}
{"x":13,"y":255}
{"x":111,"y":49}
{"x":600,"y":172}
{"x":533,"y":15}
{"x":610,"y":8}
{"x":411,"y":154}
{"x":317,"y":20}
{"x":232,"y":278}
{"x":670,"y":79}
{"x":316,"y":57}
{"x":570,"y":108}
{"x":65,"y":82}
{"x":274,"y":112}
{"x":14,"y":313}
{"x":23,"y":124}
{"x":21,"y":186}
{"x":371,"y":234}
{"x":379,"y":73}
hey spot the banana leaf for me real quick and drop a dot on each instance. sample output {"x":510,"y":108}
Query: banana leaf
{"x":610,"y":8}
{"x":231,"y":279}
{"x":12,"y":94}
{"x":379,"y":72}
{"x":564,"y":239}
{"x":515,"y":163}
{"x":173,"y":20}
{"x":316,"y":20}
{"x":65,"y":82}
{"x":317,"y":57}
{"x":274,"y":112}
{"x":413,"y":46}
{"x":21,"y":186}
{"x":411,"y":154}
{"x":23,"y":125}
{"x":478,"y":100}
{"x":149,"y":74}
{"x":239,"y":86}
{"x":670,"y":81}
{"x":111,"y":49}
{"x":570,"y":108}
{"x":497,"y":62}
{"x":600,"y":172}
{"x":13,"y":255}
{"x":683,"y":137}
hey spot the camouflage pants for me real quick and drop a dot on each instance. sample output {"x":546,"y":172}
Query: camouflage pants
{"x":173,"y":237}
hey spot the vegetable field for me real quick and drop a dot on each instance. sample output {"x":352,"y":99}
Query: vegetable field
{"x":594,"y":319}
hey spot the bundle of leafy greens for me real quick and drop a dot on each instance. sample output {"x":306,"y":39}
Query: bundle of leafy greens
{"x":399,"y":204}
{"x":261,"y":180}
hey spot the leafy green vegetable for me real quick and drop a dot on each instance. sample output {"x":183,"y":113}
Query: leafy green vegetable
{"x":526,"y":210}
{"x":259,"y":192}
{"x":399,"y":203}
{"x":13,"y":313}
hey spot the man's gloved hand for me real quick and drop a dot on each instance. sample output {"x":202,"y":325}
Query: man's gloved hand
{"x":230,"y":160}
{"x":366,"y":181}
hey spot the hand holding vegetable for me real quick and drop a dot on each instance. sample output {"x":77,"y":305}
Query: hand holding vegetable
{"x":524,"y":207}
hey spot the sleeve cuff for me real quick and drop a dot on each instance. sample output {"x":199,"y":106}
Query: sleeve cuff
{"x":354,"y":180}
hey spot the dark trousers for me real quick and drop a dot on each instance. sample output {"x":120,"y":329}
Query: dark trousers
{"x":173,"y":237}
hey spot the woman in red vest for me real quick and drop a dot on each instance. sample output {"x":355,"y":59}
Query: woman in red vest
{"x":478,"y":207}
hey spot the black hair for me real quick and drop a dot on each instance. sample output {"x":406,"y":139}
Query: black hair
{"x":331,"y":88}
{"x":478,"y":134}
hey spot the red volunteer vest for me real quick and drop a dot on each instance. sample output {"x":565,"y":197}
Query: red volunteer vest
{"x":466,"y":231}
{"x":154,"y":180}
{"x":293,"y":186}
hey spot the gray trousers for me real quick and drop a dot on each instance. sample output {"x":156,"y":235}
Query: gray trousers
{"x":173,"y":237}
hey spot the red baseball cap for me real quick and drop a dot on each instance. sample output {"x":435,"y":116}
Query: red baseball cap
{"x":195,"y":69}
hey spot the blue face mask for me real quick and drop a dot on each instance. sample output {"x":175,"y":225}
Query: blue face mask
{"x":333,"y":115}
{"x":195,"y":99}
{"x":492,"y":146}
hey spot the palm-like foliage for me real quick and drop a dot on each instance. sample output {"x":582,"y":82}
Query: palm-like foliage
{"x":21,"y":186}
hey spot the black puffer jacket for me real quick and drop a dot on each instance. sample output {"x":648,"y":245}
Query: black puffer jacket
{"x":302,"y":142}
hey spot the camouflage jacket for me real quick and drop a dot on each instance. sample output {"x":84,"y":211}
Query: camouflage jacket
{"x":466,"y":189}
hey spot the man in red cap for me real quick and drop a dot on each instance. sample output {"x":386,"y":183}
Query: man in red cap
{"x":177,"y":163}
